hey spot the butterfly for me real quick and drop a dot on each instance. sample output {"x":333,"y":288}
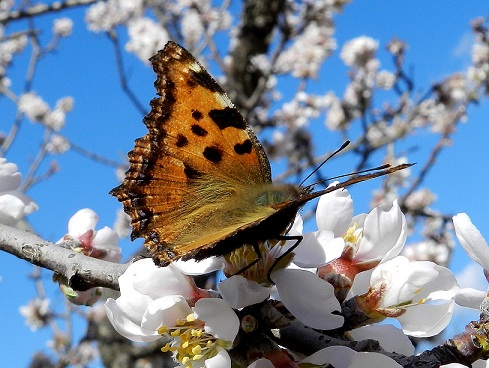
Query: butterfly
{"x":199,"y":182}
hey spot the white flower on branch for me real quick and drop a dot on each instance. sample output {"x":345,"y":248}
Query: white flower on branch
{"x":359,"y":51}
{"x":104,"y":16}
{"x":385,"y":80}
{"x":146,"y":37}
{"x":36,"y":313}
{"x":192,"y":28}
{"x":420,"y":199}
{"x":33,"y":106}
{"x":14,"y":204}
{"x":428,"y":250}
{"x":122,"y":224}
{"x":10,"y":47}
{"x":57,"y":144}
{"x":304,"y":58}
{"x":6,"y":5}
{"x":101,"y":244}
{"x":418,"y":294}
{"x":65,"y":104}
{"x":161,"y":301}
{"x":62,"y":27}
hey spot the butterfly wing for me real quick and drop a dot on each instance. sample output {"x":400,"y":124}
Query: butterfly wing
{"x":198,"y":159}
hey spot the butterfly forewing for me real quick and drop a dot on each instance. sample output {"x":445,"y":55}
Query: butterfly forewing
{"x":198,"y":161}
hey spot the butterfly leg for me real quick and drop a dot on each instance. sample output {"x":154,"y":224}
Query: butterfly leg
{"x":256,"y":248}
{"x":297,"y":238}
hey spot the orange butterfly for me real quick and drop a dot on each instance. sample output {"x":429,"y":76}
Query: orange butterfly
{"x":199,"y":183}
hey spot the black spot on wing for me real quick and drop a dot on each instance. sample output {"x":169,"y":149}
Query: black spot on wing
{"x":228,"y":117}
{"x":191,"y":173}
{"x":198,"y":130}
{"x":197,"y":115}
{"x":242,"y":148}
{"x":202,"y":78}
{"x":213,"y":154}
{"x":182,"y":141}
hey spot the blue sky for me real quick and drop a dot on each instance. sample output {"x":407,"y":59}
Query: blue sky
{"x":103,"y":121}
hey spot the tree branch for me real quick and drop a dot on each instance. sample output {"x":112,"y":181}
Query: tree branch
{"x":42,"y":9}
{"x":83,"y":272}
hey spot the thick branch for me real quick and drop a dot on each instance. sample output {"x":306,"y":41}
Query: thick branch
{"x":82,"y":272}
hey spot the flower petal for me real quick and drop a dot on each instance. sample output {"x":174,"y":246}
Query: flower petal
{"x":13,"y":206}
{"x":261,"y":363}
{"x":470,"y":298}
{"x":10,"y":177}
{"x":317,"y":249}
{"x":220,"y":319}
{"x":391,"y":338}
{"x":165,"y":311}
{"x":310,"y":299}
{"x":384,"y":234}
{"x":240,"y":292}
{"x":335,"y":211}
{"x":124,"y":326}
{"x":221,"y":360}
{"x":426,"y":320}
{"x":471,"y":239}
{"x":193,"y":267}
{"x":82,"y":221}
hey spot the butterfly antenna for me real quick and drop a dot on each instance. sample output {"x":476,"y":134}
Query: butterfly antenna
{"x":343,"y":146}
{"x":381,"y":167}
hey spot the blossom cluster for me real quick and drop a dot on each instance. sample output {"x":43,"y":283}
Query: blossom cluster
{"x":348,"y":275}
{"x":147,"y":36}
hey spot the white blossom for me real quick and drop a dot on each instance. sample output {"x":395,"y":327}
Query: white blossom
{"x":418,"y":294}
{"x":305,"y":56}
{"x":65,"y":104}
{"x":420,"y":199}
{"x":33,"y":106}
{"x":10,"y":47}
{"x":62,"y":27}
{"x":14,"y":204}
{"x":359,"y":51}
{"x":192,"y":28}
{"x":102,"y":244}
{"x":146,"y":37}
{"x":157,"y":301}
{"x":104,"y":16}
{"x":122,"y":224}
{"x":36,"y":313}
{"x":57,"y":144}
{"x":385,"y":79}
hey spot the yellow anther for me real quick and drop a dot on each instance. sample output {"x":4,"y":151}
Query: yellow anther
{"x":162,"y":330}
{"x":166,"y":348}
{"x":175,"y":333}
{"x":190,"y":317}
{"x":197,"y":357}
{"x":196,"y":349}
{"x":185,"y":360}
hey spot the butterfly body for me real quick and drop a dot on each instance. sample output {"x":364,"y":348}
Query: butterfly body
{"x":199,"y":183}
